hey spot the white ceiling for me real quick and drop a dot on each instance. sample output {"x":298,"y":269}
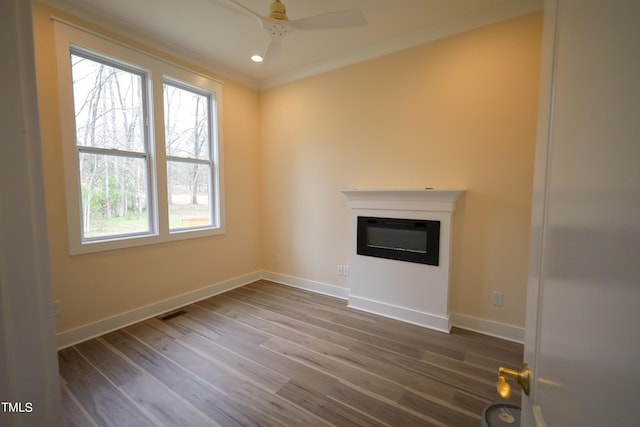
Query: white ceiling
{"x":211,"y":35}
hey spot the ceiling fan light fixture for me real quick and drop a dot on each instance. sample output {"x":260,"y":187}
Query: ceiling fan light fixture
{"x":278,"y":25}
{"x":278,"y":11}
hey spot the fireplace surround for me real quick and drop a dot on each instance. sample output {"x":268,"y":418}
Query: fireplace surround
{"x":413,"y":291}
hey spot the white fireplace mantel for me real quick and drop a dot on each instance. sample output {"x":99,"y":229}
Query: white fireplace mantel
{"x":414,"y":293}
{"x":410,"y":200}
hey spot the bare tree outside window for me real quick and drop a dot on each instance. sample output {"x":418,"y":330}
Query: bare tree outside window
{"x":109,"y":106}
{"x":142,"y":148}
{"x":189,"y":161}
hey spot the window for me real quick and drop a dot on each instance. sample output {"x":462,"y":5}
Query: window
{"x":113,"y":151}
{"x":189,"y":160}
{"x":141,"y":146}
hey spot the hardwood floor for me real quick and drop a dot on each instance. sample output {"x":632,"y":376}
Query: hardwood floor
{"x":272,"y":355}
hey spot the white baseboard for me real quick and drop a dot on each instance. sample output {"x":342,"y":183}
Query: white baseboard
{"x":306,"y":284}
{"x":110,"y":324}
{"x":488,"y":327}
{"x":420,"y":318}
{"x":440,"y":323}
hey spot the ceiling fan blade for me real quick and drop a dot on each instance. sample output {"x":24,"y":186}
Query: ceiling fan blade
{"x":237,"y":7}
{"x":273,"y":50}
{"x":339,"y":19}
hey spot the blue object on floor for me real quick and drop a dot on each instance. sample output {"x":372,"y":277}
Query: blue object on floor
{"x":501,"y":415}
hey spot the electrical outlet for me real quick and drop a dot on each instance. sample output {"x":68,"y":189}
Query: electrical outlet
{"x":496,"y":298}
{"x":346,"y":270}
{"x":340,"y":270}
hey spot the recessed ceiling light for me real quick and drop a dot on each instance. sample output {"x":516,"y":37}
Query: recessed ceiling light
{"x":257,"y":58}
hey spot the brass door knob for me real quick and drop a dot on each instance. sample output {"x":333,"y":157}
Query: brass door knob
{"x":521,"y":377}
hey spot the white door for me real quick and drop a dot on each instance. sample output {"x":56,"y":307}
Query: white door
{"x":583,"y":310}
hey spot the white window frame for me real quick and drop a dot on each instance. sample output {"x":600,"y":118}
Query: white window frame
{"x":158,"y":71}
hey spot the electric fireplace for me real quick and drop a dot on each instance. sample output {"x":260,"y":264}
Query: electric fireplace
{"x":405,"y":225}
{"x":411,"y":240}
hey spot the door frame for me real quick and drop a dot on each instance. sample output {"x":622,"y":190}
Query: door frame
{"x":28,"y":358}
{"x":531,"y":411}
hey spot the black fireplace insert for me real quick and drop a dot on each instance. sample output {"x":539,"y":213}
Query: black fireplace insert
{"x":411,"y":240}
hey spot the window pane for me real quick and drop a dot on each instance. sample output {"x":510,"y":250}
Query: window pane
{"x":108,"y":104}
{"x":186,"y":119}
{"x":188,"y":187}
{"x":114,"y":195}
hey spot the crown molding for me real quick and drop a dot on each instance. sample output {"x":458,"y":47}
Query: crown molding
{"x":490,"y":16}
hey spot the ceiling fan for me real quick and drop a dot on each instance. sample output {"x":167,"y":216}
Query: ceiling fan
{"x":278,"y":25}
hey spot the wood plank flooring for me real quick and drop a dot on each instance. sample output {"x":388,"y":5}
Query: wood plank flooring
{"x":272,"y":355}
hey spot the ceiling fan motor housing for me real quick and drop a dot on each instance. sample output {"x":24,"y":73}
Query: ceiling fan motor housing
{"x":278,"y":10}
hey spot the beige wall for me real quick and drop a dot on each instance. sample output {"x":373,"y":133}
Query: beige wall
{"x":455,"y":113}
{"x":96,"y":286}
